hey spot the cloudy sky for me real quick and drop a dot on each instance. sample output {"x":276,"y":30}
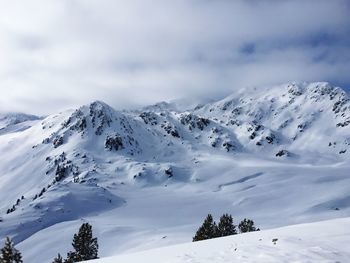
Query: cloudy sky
{"x":57,"y":54}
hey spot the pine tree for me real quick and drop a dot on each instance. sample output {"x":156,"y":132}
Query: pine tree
{"x":247,"y":225}
{"x":226,"y":226}
{"x":85,"y":246}
{"x":9,"y":254}
{"x":58,"y":259}
{"x":207,"y":230}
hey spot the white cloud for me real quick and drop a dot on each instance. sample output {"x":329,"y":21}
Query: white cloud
{"x":62,"y":53}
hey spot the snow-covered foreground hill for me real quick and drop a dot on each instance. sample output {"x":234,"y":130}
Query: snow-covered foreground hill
{"x":320,"y":242}
{"x":147,"y":178}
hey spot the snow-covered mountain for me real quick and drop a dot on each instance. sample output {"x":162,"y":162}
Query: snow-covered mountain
{"x":146,"y":178}
{"x":298,"y":118}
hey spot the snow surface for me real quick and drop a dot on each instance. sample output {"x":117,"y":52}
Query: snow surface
{"x":147,"y":178}
{"x":327,"y":241}
{"x":15,"y":122}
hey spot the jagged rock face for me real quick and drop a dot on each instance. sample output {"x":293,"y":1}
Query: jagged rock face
{"x":194,"y":121}
{"x":149,"y":118}
{"x":61,"y":167}
{"x":58,"y":141}
{"x":171,"y":130}
{"x":114,"y":143}
{"x":77,"y":120}
{"x":100,"y":117}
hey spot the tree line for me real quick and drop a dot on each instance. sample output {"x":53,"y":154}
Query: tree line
{"x":86,"y":246}
{"x":209,"y":229}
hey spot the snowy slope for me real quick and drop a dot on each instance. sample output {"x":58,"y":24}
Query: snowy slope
{"x":146,"y":178}
{"x":14,"y":122}
{"x":298,"y":243}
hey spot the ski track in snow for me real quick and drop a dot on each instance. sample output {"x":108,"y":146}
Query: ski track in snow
{"x":242,"y":180}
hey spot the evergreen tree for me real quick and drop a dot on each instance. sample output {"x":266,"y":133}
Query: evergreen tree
{"x":9,"y":254}
{"x":85,"y":246}
{"x":226,"y":226}
{"x":58,"y":259}
{"x":207,"y":230}
{"x":247,"y":225}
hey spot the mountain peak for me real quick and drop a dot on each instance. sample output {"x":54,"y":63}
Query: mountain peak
{"x":97,"y":115}
{"x":96,"y":106}
{"x":99,"y":104}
